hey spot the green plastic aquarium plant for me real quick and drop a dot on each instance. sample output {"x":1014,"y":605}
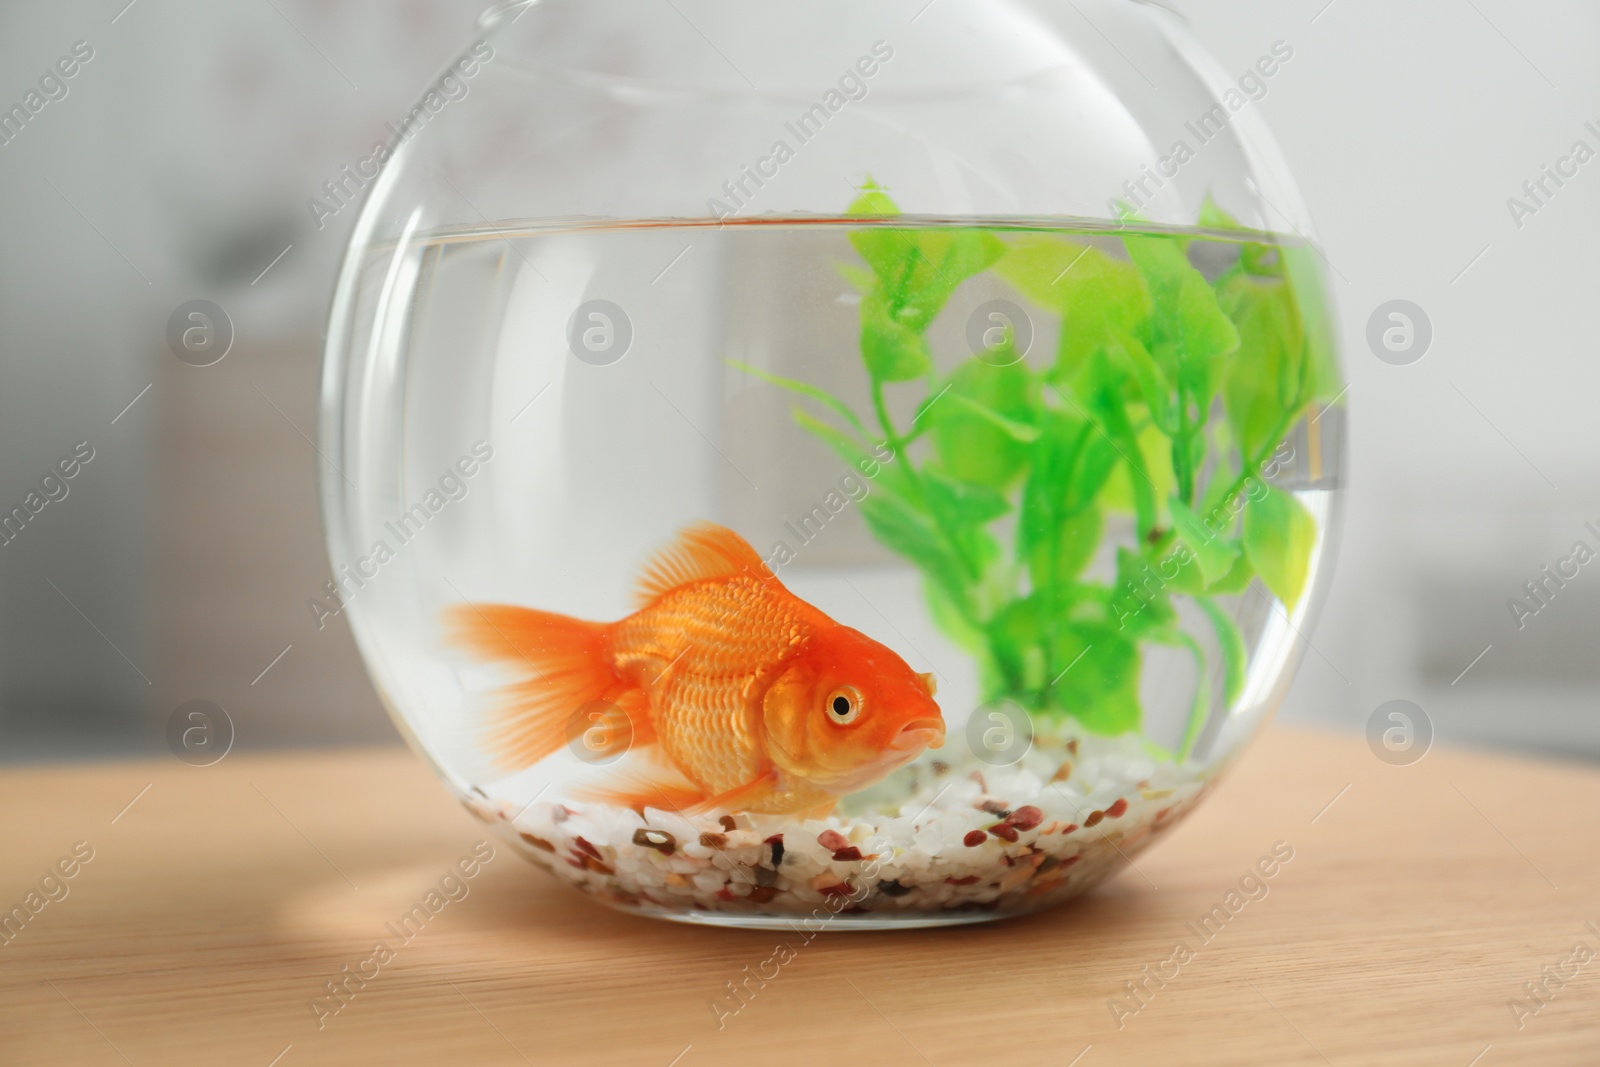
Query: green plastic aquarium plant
{"x":1004,"y":476}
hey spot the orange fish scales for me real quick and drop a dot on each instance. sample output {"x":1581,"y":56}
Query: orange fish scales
{"x":759,"y":700}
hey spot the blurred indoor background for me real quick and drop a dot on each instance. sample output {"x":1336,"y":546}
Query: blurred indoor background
{"x":178,"y":164}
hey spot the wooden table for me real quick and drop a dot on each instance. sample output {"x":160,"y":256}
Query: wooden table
{"x":1418,"y":902}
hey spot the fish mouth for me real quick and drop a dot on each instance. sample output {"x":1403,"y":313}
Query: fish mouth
{"x":919,"y":734}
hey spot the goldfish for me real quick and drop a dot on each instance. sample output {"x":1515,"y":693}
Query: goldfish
{"x":758,"y":701}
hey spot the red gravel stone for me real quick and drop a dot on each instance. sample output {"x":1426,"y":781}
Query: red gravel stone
{"x":1026,"y":817}
{"x":848,"y":854}
{"x":975,"y":838}
{"x":840,"y":890}
{"x":970,"y":879}
{"x":1004,"y":830}
{"x":727,"y":823}
{"x":586,"y":848}
{"x":833,"y":840}
{"x":1116,"y":810}
{"x":1094,"y":818}
{"x":1071,"y":826}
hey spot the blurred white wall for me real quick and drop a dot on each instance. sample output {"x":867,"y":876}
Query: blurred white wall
{"x":177,"y":167}
{"x":179,"y":164}
{"x":1409,"y":127}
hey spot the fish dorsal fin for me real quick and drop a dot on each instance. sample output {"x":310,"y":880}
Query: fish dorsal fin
{"x":699,"y":552}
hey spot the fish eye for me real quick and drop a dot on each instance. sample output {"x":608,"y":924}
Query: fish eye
{"x":844,"y":705}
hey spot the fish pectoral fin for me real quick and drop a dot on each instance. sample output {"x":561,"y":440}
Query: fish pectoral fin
{"x":699,"y":552}
{"x":821,"y":811}
{"x":739,"y":797}
{"x":639,"y":792}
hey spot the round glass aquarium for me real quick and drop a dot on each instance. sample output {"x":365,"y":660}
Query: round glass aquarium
{"x":856,"y":464}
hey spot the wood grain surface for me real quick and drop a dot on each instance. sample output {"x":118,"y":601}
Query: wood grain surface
{"x":1418,"y":903}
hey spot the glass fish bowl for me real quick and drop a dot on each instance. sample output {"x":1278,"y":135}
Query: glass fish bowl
{"x":858,"y":465}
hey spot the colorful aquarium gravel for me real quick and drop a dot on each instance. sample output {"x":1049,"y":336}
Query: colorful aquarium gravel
{"x":966,"y":844}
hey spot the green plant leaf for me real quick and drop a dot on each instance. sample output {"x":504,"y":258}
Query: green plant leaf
{"x":892,"y":350}
{"x":843,"y":445}
{"x":981,"y":428}
{"x":1093,"y":293}
{"x":861,"y":279}
{"x":1254,"y":257}
{"x":1153,"y":383}
{"x":1020,"y":432}
{"x":1303,"y":269}
{"x":806,"y":390}
{"x":1237,"y":580}
{"x":1141,"y":601}
{"x":1154,"y":456}
{"x":1186,"y":310}
{"x":951,"y":619}
{"x":1098,"y":679}
{"x":1077,"y":539}
{"x":1265,"y":376}
{"x":903,"y":528}
{"x":1201,"y":704}
{"x":955,"y":503}
{"x":1230,"y":642}
{"x":1214,"y":554}
{"x":1279,"y":534}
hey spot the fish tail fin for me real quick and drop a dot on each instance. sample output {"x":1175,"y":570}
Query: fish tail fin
{"x":569,"y":669}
